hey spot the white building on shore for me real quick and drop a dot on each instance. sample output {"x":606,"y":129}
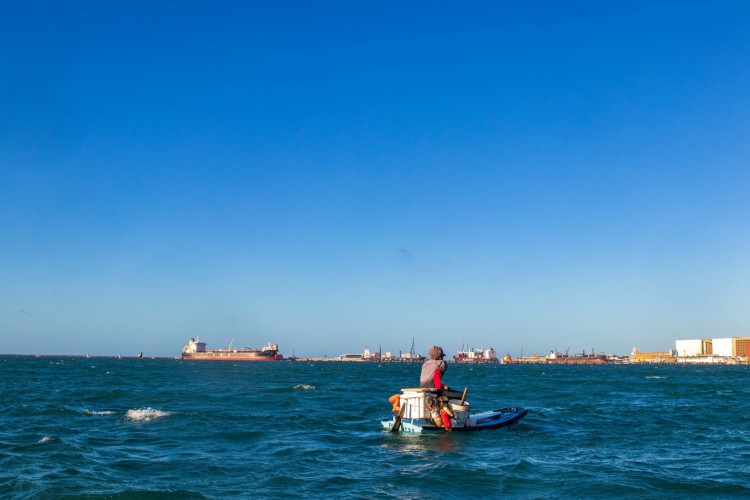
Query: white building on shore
{"x":721,"y":350}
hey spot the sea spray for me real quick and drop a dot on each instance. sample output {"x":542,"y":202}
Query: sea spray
{"x":145,"y":414}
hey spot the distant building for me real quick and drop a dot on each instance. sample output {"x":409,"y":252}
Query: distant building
{"x":651,"y":357}
{"x":410,"y":357}
{"x":350,"y":357}
{"x":741,"y":346}
{"x":723,"y":347}
{"x":694,"y":347}
{"x":712,"y":351}
{"x":736,"y":347}
{"x":535,"y":359}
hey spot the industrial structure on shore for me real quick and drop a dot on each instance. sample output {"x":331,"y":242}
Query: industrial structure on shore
{"x":558,"y":358}
{"x":725,"y":351}
{"x":728,"y":351}
{"x":732,"y":350}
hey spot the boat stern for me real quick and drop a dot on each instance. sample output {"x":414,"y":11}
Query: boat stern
{"x":405,"y":426}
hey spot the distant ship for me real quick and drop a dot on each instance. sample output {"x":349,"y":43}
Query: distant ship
{"x":469,"y":355}
{"x":584,"y":359}
{"x":197,"y":350}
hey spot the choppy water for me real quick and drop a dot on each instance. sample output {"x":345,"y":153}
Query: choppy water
{"x":129,"y":428}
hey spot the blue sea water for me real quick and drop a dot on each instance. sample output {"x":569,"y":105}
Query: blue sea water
{"x":141,"y":428}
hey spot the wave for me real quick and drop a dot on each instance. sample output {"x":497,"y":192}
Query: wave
{"x":305,"y":387}
{"x":46,"y":439}
{"x":145,"y":414}
{"x":92,"y":412}
{"x":657,"y":377}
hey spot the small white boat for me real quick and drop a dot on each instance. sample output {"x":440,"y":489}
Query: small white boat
{"x":420,"y":408}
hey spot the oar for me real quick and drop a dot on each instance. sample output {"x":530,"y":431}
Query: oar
{"x":397,"y":421}
{"x":463,"y":398}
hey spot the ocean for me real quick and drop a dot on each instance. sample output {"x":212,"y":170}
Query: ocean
{"x":163,"y":428}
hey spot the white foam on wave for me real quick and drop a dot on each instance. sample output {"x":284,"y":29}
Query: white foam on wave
{"x":145,"y":414}
{"x":92,"y":412}
{"x":657,"y":377}
{"x":45,"y":439}
{"x":305,"y":387}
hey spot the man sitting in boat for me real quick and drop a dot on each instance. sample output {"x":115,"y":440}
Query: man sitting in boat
{"x":433,"y":370}
{"x":432,"y":377}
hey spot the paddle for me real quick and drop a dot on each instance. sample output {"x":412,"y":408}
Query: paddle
{"x":463,"y":398}
{"x":397,"y":421}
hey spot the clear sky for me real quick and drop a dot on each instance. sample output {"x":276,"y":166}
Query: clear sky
{"x":335,"y":175}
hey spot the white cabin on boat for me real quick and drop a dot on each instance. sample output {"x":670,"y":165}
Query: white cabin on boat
{"x":194,"y":345}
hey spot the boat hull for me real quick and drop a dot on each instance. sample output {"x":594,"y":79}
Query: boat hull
{"x":195,"y":349}
{"x":233,"y":356}
{"x":494,"y":419}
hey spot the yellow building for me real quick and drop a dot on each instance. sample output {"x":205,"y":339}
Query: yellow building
{"x":651,"y":357}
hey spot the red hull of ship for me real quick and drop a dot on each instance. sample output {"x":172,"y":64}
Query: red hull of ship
{"x":231,"y":356}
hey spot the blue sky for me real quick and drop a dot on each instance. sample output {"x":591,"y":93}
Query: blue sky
{"x":330,"y":176}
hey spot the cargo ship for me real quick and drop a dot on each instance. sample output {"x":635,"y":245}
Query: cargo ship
{"x":195,"y":349}
{"x":469,"y":355}
{"x":582,"y":359}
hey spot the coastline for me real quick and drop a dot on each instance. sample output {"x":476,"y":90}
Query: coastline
{"x":683,"y":360}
